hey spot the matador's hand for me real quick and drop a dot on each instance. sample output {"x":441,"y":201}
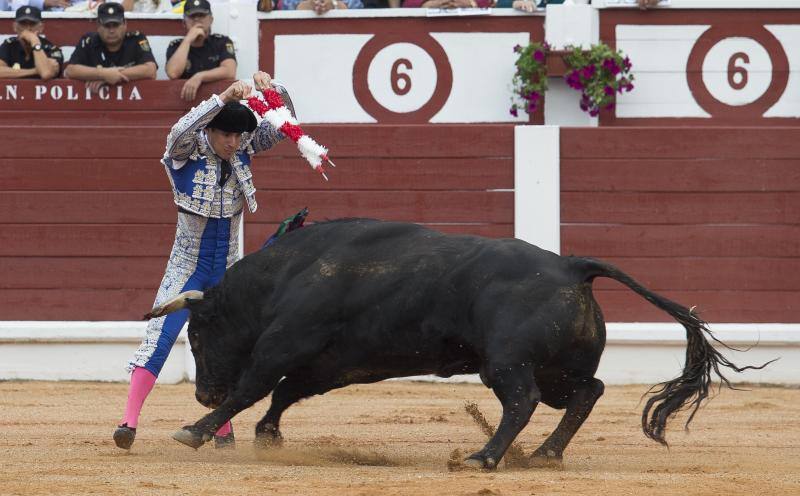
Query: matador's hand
{"x":262,"y":80}
{"x":239,"y":90}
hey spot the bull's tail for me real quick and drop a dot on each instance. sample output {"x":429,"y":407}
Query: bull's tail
{"x":689,"y":389}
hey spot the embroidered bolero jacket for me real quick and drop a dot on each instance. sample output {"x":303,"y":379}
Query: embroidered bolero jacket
{"x":193,"y":168}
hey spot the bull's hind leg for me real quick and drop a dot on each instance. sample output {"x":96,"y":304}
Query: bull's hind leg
{"x":583,"y":394}
{"x":515,"y":388}
{"x":288,"y":392}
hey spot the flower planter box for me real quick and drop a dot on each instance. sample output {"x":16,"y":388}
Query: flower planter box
{"x":556,"y":66}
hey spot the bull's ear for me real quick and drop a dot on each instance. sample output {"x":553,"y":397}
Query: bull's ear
{"x":173,"y":305}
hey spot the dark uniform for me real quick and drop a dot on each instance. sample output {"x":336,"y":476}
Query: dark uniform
{"x":216,"y":48}
{"x":13,"y":54}
{"x":92,"y":52}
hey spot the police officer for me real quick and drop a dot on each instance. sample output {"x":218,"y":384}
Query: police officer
{"x":29,"y":54}
{"x":112,"y":55}
{"x":200,"y":57}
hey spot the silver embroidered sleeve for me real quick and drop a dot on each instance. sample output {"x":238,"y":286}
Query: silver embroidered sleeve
{"x":265,"y":136}
{"x":180,"y":141}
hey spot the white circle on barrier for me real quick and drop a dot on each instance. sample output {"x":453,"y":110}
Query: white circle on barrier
{"x":402,"y":77}
{"x":737,"y":71}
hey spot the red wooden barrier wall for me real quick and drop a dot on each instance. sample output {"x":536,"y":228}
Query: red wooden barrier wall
{"x":88,"y":220}
{"x":708,"y":216}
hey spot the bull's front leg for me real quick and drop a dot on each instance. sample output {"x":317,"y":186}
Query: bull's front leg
{"x":250,"y":389}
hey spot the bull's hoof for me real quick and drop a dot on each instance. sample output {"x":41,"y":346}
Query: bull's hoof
{"x":268,"y":437}
{"x":191,"y":437}
{"x":480,"y":462}
{"x":546,"y":459}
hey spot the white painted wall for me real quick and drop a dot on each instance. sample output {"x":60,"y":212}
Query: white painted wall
{"x":636,"y":353}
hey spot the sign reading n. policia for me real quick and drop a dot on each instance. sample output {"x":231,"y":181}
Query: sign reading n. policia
{"x":66,"y":91}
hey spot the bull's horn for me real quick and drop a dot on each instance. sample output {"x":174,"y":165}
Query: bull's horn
{"x":173,"y":305}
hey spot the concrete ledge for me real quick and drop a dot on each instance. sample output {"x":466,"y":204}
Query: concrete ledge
{"x":635,"y":353}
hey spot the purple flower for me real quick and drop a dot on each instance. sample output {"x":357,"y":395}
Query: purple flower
{"x":588,"y":71}
{"x":574,"y":80}
{"x":626,"y":63}
{"x":610,"y":106}
{"x":594,"y":112}
{"x":629,"y":88}
{"x":609,"y":90}
{"x":538,"y":56}
{"x":611,"y":66}
{"x":531,"y":108}
{"x":517,"y":48}
{"x":513,"y":111}
{"x":584,"y":106}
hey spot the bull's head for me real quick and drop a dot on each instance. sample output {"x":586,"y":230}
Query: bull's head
{"x":213,"y":345}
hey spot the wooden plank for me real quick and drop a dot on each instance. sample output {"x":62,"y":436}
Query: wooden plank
{"x":362,"y":173}
{"x":156,"y":207}
{"x":146,"y":240}
{"x":76,"y":117}
{"x":657,"y":274}
{"x":714,"y":306}
{"x":369,"y":140}
{"x":83,"y":174}
{"x":707,"y":273}
{"x":418,"y":173}
{"x":82,"y":272}
{"x":77,"y":240}
{"x":679,"y":142}
{"x":681,"y":208}
{"x":75,"y":304}
{"x":680,"y":241}
{"x":686,"y":175}
{"x":257,"y":233}
{"x":618,"y":306}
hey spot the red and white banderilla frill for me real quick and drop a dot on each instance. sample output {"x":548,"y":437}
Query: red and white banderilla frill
{"x":280,"y":117}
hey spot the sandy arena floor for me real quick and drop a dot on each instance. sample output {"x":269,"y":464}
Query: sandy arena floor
{"x":389,"y":439}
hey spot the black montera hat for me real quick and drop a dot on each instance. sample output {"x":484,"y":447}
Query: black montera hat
{"x":196,"y":7}
{"x":110,"y":12}
{"x":28,"y":13}
{"x":234,"y":118}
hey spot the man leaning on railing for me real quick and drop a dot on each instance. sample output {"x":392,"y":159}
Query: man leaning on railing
{"x":112,"y":55}
{"x":29,"y":54}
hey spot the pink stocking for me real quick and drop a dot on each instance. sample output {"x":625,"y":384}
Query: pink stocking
{"x":142,"y":381}
{"x":226,"y":429}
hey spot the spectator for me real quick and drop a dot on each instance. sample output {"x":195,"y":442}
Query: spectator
{"x":29,"y":54}
{"x":381,"y":4}
{"x":147,"y":6}
{"x":320,"y":6}
{"x":200,"y":57}
{"x":111,"y":55}
{"x":447,"y":4}
{"x":55,"y":5}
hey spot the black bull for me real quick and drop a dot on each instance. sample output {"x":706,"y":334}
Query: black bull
{"x":359,"y":301}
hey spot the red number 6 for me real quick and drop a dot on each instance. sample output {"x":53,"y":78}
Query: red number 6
{"x":398,"y":76}
{"x":734,"y":69}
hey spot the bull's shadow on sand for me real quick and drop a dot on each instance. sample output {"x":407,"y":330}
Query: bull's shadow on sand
{"x":358,"y":301}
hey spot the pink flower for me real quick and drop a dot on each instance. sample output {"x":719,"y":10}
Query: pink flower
{"x":513,"y":111}
{"x":538,"y":56}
